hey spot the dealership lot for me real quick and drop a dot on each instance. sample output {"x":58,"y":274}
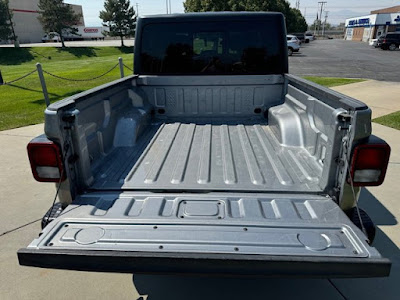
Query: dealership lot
{"x":339,"y":58}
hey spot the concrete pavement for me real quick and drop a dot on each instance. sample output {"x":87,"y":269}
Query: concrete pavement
{"x":381,"y":96}
{"x":23,"y":200}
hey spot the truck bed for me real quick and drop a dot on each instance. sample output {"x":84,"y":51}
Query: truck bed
{"x":207,"y":156}
{"x":245,"y":134}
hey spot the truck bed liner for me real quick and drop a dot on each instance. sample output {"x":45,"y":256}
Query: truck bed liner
{"x":188,"y":156}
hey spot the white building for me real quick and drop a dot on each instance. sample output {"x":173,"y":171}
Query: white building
{"x":372,"y":26}
{"x":25,"y":18}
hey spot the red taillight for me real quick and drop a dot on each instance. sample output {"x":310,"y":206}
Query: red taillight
{"x":46,"y":161}
{"x":369,"y":164}
{"x":384,"y":41}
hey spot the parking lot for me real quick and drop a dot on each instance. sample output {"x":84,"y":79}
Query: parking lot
{"x":339,"y":58}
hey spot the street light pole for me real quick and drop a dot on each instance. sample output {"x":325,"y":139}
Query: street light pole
{"x":166,"y":1}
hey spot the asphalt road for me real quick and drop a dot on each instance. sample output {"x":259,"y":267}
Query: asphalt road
{"x":338,"y":58}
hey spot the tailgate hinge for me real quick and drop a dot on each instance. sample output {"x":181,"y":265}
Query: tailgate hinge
{"x":344,"y":121}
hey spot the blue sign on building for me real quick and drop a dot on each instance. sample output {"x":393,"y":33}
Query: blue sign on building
{"x":359,"y":22}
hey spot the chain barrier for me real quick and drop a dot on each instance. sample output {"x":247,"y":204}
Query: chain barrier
{"x":130,"y":69}
{"x":20,"y":78}
{"x":79,"y":80}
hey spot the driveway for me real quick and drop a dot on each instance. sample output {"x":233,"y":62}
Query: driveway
{"x":338,"y":58}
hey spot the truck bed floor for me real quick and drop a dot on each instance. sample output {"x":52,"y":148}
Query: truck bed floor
{"x":206,"y":157}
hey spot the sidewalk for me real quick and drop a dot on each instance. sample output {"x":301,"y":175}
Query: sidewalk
{"x":381,"y":96}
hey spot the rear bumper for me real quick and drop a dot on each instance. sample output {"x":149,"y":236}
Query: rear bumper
{"x":200,"y":263}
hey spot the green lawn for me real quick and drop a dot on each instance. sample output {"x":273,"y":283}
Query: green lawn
{"x":391,"y":120}
{"x":332,"y":81}
{"x":23,"y":104}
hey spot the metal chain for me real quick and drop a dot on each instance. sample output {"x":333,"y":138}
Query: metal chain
{"x":89,"y":79}
{"x":20,"y":78}
{"x":128,"y":67}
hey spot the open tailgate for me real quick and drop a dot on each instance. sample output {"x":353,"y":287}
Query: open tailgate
{"x":287,"y":235}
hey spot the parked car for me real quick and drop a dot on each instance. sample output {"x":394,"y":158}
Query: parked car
{"x":373,"y":42}
{"x":293,"y":46}
{"x":51,"y":37}
{"x":389,"y":41}
{"x":309,"y":37}
{"x":301,"y":36}
{"x":210,"y":159}
{"x":293,"y":38}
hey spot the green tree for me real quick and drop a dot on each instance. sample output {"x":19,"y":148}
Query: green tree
{"x":57,"y":16}
{"x":319,"y":25}
{"x":6,"y":24}
{"x":294,"y":19}
{"x":120,"y":17}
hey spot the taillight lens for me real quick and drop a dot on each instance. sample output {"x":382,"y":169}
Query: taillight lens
{"x":46,"y":161}
{"x":369,"y":164}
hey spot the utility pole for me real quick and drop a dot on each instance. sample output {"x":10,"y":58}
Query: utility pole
{"x":298,"y":4}
{"x":323,"y":26}
{"x":319,"y":22}
{"x":170,"y":9}
{"x":137,"y":9}
{"x":166,"y":1}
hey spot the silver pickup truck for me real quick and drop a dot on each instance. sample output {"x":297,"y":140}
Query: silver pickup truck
{"x":210,"y":159}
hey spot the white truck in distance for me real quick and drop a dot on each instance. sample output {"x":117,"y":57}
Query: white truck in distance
{"x":88,"y":33}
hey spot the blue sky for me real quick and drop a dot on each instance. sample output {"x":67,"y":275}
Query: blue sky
{"x":338,"y":10}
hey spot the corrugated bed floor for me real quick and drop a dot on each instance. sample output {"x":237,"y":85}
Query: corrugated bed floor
{"x":209,"y":157}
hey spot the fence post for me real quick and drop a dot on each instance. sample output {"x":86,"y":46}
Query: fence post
{"x":1,"y":79}
{"x":121,"y":67}
{"x":43,"y":83}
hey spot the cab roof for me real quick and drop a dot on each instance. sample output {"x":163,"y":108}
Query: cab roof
{"x":217,"y":16}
